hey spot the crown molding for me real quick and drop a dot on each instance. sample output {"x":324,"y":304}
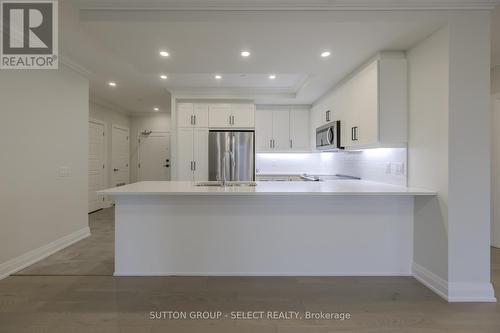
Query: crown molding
{"x":109,"y":105}
{"x":288,"y":5}
{"x":70,"y":63}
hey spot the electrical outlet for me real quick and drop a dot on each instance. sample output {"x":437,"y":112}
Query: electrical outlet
{"x":388,"y":168}
{"x":399,"y":169}
{"x":64,"y":171}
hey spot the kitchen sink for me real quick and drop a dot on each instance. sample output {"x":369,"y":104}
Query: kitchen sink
{"x":231,"y":183}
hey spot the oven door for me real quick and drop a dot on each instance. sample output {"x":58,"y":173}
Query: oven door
{"x":325,"y":137}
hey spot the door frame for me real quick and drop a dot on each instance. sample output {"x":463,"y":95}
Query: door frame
{"x":139,"y":135}
{"x":113,"y":126}
{"x":495,"y":223}
{"x":106,"y":203}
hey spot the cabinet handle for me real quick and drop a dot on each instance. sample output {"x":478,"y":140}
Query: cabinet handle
{"x":191,"y":165}
{"x":274,"y":144}
{"x":291,"y":143}
{"x":271,"y":143}
{"x":194,"y":165}
{"x":194,"y":120}
{"x":327,"y":115}
{"x":354,"y":133}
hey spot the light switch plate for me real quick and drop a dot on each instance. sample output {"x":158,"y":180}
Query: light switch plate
{"x":64,"y":171}
{"x":388,"y":168}
{"x":399,"y":169}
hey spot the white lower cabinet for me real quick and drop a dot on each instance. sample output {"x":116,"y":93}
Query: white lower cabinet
{"x":282,"y":130}
{"x":192,"y":154}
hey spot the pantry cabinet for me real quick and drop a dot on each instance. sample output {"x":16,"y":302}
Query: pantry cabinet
{"x":192,"y":115}
{"x":192,"y":154}
{"x":282,"y":130}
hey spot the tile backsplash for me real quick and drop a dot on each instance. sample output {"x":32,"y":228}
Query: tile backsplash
{"x":386,"y":165}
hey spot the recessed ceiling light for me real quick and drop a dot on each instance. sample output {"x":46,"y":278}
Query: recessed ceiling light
{"x":156,"y":109}
{"x":245,"y":54}
{"x":272,"y":76}
{"x":163,"y":77}
{"x":164,"y":53}
{"x":218,"y":77}
{"x":325,"y":54}
{"x":112,"y":84}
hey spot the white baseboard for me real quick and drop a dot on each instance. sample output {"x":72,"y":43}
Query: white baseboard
{"x":454,"y":292}
{"x":277,"y":274}
{"x":471,"y":292}
{"x":15,"y":265}
{"x":430,"y":280}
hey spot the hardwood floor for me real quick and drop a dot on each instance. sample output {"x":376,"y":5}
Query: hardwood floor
{"x":82,"y":301}
{"x":91,"y":256}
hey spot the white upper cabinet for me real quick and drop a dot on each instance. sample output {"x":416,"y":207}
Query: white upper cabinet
{"x":299,"y":130}
{"x":231,"y":116}
{"x":185,"y":114}
{"x":192,"y":115}
{"x":282,"y":130}
{"x":371,"y":104}
{"x":200,"y":113}
{"x":220,"y":115}
{"x":263,"y":130}
{"x":243,"y":115}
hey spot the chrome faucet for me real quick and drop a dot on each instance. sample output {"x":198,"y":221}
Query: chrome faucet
{"x":223,"y":180}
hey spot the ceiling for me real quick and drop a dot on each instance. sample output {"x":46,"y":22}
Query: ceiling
{"x":122,"y":45}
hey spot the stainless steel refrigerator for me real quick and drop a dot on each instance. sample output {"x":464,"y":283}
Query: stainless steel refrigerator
{"x":231,"y":155}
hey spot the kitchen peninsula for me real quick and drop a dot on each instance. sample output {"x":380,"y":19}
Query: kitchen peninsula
{"x":345,"y":227}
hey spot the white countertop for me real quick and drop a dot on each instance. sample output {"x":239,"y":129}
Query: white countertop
{"x":334,"y":187}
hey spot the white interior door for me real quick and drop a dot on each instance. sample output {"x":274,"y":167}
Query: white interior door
{"x":120,"y":156}
{"x":96,"y":165}
{"x":154,"y":157}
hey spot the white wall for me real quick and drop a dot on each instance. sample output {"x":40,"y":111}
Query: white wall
{"x":44,"y":126}
{"x":110,"y":117}
{"x":469,"y":157}
{"x":449,"y":151}
{"x":155,"y":122}
{"x":428,"y":149}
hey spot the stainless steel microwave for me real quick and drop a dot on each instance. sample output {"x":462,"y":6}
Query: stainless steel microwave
{"x":328,"y":136}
